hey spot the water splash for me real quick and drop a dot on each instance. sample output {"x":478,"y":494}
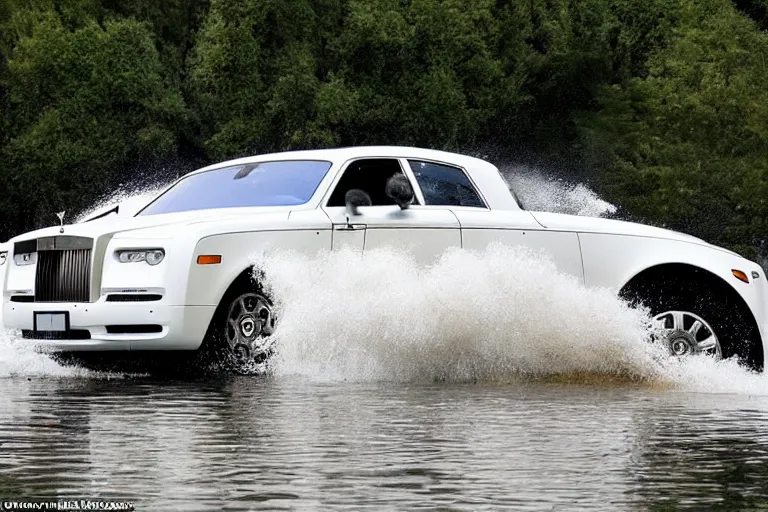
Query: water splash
{"x":131,"y":199}
{"x":539,"y":192}
{"x":18,"y":359}
{"x":470,"y":316}
{"x":503,"y":314}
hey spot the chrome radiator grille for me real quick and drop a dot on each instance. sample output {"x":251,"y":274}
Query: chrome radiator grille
{"x":63,"y":276}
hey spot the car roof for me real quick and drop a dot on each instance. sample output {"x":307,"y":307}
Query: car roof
{"x":340,"y":155}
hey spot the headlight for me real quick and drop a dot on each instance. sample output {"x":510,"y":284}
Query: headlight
{"x":25,"y":258}
{"x":3,"y":257}
{"x":151,"y":256}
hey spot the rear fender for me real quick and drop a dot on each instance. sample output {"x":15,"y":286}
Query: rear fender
{"x":612,"y":261}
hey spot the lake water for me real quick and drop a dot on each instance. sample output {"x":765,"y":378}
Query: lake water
{"x":289,"y":443}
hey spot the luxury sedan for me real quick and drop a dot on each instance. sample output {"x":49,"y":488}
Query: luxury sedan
{"x":177,"y":275}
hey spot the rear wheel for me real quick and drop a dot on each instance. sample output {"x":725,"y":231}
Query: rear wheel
{"x":698,"y":316}
{"x":686,"y":333}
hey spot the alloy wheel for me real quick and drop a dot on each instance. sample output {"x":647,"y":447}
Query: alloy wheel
{"x":686,"y":333}
{"x":250,"y":323}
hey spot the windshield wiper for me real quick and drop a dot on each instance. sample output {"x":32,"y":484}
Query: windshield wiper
{"x":111,"y":210}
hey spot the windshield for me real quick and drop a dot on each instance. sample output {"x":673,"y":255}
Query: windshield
{"x":284,"y":183}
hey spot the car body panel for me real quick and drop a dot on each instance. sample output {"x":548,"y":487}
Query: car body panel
{"x":519,"y":228}
{"x":424,"y":232}
{"x":181,"y":325}
{"x":562,"y":222}
{"x":206,"y":284}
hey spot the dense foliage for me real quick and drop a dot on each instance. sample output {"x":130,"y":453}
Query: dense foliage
{"x":662,"y":103}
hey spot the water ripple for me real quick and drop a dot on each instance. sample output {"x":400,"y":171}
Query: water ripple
{"x":245,"y":444}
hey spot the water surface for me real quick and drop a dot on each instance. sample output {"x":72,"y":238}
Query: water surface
{"x":253,"y":443}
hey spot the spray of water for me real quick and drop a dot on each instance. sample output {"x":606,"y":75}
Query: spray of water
{"x":17,"y":358}
{"x":472,"y":316}
{"x":131,"y":199}
{"x":499,"y":315}
{"x":540,"y":192}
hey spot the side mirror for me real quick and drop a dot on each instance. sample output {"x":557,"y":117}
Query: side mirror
{"x":355,"y":198}
{"x":399,"y":189}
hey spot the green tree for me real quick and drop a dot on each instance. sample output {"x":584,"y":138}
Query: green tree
{"x":688,"y":143}
{"x":86,"y":103}
{"x":252,"y":75}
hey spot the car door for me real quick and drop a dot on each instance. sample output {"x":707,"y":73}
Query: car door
{"x":423,"y":232}
{"x":448,"y":186}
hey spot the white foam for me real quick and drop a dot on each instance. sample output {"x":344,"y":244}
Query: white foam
{"x":706,"y":375}
{"x":18,"y":359}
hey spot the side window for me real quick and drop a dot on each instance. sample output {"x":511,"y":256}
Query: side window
{"x":444,"y":185}
{"x":369,"y":175}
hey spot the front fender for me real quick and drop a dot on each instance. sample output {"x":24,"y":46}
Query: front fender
{"x":207,"y":284}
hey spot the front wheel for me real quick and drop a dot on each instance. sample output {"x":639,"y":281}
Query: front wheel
{"x":239,"y":338}
{"x":249,"y":325}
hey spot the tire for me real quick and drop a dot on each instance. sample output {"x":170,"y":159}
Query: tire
{"x":677,"y":305}
{"x":239,"y":336}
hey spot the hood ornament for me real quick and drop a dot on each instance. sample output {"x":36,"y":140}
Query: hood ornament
{"x":60,"y":215}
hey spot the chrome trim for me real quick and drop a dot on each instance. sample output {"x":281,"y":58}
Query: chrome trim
{"x":53,"y":243}
{"x":63,"y":275}
{"x":64,"y":243}
{"x":101,"y":244}
{"x":149,"y":290}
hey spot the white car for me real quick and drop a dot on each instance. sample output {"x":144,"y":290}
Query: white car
{"x":177,"y":275}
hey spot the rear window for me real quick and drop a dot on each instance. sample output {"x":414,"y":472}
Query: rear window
{"x":445,"y":185}
{"x":283,"y":183}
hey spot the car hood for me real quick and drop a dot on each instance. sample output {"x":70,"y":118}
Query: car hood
{"x":559,"y":221}
{"x":163,"y":225}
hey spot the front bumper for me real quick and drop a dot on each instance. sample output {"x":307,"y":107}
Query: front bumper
{"x":179,"y":327}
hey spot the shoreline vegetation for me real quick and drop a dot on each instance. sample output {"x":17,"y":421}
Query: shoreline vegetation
{"x":661,"y":105}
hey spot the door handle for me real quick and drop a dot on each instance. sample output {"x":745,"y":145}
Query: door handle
{"x":349,"y":227}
